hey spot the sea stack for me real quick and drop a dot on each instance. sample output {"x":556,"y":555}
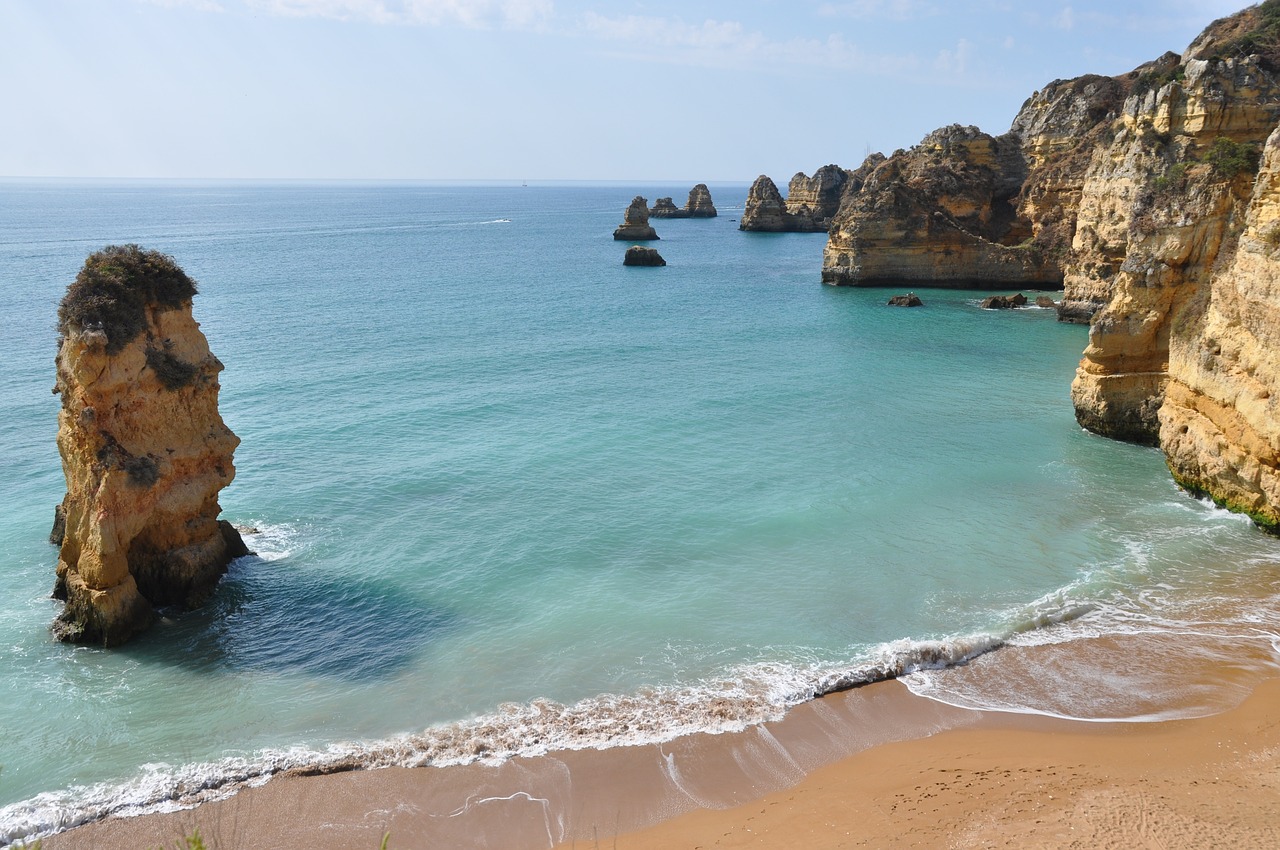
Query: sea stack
{"x":635,"y":225}
{"x":699,"y":205}
{"x":144,"y":450}
{"x":638,"y":255}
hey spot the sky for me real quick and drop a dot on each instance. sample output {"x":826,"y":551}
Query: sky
{"x":629,"y":90}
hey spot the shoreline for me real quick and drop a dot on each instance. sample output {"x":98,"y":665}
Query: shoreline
{"x":854,"y":768}
{"x":1207,"y":782}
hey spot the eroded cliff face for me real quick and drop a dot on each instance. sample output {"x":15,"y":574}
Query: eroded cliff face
{"x":1142,"y":193}
{"x":635,"y":225}
{"x":1219,"y":423}
{"x":1161,"y":209}
{"x":942,"y":214}
{"x":699,"y":205}
{"x":144,"y":450}
{"x":810,"y":206}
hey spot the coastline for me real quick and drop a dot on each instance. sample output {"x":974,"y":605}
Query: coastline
{"x":873,"y":766}
{"x":1201,"y":783}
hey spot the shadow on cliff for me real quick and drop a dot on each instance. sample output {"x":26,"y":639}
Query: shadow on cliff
{"x":270,"y":617}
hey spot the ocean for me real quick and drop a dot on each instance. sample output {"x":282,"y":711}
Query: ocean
{"x":512,"y":496}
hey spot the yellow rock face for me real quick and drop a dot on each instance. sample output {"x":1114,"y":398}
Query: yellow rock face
{"x":1153,"y":223}
{"x":1219,"y":423}
{"x":145,"y":454}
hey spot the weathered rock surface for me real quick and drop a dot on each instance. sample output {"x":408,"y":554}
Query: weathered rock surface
{"x":638,"y":255}
{"x":810,"y":206}
{"x":699,"y":205}
{"x":1141,"y":196}
{"x":1046,"y":303}
{"x":1159,"y":217}
{"x":1003,"y":302}
{"x":943,"y":213}
{"x":908,"y":300}
{"x":1219,"y":421}
{"x":635,"y":225}
{"x":144,"y":450}
{"x":765,"y":210}
{"x":666,"y":208}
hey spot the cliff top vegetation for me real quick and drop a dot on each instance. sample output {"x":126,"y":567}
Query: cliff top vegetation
{"x":114,"y":288}
{"x":1255,"y":30}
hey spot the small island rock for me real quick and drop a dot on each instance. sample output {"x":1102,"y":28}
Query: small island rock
{"x":635,"y":225}
{"x":638,"y":255}
{"x":908,"y":300}
{"x":144,"y":450}
{"x":1004,"y":302}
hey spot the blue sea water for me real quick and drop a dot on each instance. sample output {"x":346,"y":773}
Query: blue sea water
{"x":513,"y":496}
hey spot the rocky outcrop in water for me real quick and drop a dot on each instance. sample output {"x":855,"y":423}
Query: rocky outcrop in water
{"x":699,"y":205}
{"x":640,"y":256}
{"x":635,"y":225}
{"x":1003,"y":302}
{"x":908,"y":300}
{"x":810,"y":205}
{"x":144,"y":450}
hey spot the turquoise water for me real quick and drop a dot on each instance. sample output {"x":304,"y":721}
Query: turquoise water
{"x":512,"y":495}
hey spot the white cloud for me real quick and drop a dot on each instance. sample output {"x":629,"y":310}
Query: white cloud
{"x":515,"y":14}
{"x":955,"y":61}
{"x":727,"y":44}
{"x":894,"y":10}
{"x":1066,"y":19}
{"x":198,"y":5}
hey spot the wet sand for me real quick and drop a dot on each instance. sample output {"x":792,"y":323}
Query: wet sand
{"x":872,"y":767}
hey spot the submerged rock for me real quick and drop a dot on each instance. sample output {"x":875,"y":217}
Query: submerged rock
{"x":908,"y":300}
{"x":144,"y":450}
{"x":638,"y":255}
{"x":635,"y":225}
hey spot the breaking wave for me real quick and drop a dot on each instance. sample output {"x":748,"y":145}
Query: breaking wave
{"x":745,"y":696}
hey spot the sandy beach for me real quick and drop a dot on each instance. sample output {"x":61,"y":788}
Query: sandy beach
{"x":872,"y":767}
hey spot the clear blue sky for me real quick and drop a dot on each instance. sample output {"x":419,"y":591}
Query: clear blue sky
{"x":535,"y":89}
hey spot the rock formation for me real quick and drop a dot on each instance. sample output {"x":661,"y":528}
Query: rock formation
{"x":698,"y":206}
{"x":1219,"y":421}
{"x":908,"y":300}
{"x":1003,"y":302}
{"x":635,"y":225}
{"x":1141,"y":196}
{"x":640,"y":256}
{"x":666,"y":208}
{"x":144,"y":450}
{"x":765,"y":210}
{"x":942,"y":213}
{"x":810,"y":205}
{"x":1160,"y":213}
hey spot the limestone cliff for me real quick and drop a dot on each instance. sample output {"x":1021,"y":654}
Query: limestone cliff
{"x":144,"y":450}
{"x":809,"y":207}
{"x":1142,"y":194}
{"x":1219,"y":423}
{"x":699,"y":205}
{"x":635,"y":225}
{"x":1161,"y":209}
{"x":943,"y":213}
